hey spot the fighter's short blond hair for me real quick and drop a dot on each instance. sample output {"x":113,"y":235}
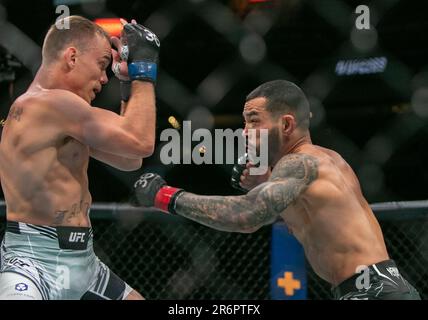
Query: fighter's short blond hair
{"x":79,"y":32}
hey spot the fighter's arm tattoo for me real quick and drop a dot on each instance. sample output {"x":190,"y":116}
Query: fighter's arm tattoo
{"x":259,"y":207}
{"x":15,"y":113}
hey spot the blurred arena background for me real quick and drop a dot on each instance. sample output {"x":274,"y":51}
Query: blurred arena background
{"x":369,"y":96}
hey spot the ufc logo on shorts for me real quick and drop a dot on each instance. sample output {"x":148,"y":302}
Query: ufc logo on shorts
{"x":77,"y":236}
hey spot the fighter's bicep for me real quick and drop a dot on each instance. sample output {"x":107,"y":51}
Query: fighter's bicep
{"x":268,"y":200}
{"x":99,"y":125}
{"x":95,"y":127}
{"x":74,"y":115}
{"x":278,"y":195}
{"x":298,"y":166}
{"x":105,"y":131}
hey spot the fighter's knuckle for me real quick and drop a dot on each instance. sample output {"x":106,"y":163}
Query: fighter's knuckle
{"x":143,"y":180}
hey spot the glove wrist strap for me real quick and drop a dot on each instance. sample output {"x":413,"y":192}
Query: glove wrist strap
{"x":125,"y":90}
{"x":237,"y":171}
{"x":165,"y":198}
{"x":143,"y":70}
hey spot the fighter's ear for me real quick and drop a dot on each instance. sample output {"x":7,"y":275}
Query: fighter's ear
{"x":70,"y":54}
{"x":288,"y":124}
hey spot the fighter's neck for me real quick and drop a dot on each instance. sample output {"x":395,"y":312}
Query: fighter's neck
{"x":46,"y":79}
{"x":296,"y":145}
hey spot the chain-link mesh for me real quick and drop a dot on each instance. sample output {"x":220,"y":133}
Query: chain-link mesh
{"x":167,"y":257}
{"x":213,"y":53}
{"x":301,"y":41}
{"x":406,"y":241}
{"x":171,"y":258}
{"x":174,"y":259}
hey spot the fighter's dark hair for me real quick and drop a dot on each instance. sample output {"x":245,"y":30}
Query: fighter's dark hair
{"x":284,"y":97}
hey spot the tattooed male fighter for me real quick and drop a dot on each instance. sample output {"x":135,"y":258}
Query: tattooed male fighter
{"x":311,"y":188}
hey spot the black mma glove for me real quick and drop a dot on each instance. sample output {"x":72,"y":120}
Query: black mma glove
{"x":120,"y":67}
{"x":237,"y":171}
{"x":143,"y":52}
{"x":125,"y":90}
{"x":150,"y":190}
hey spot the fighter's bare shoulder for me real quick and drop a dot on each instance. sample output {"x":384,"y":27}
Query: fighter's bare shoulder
{"x":314,"y":169}
{"x":63,"y":98}
{"x":327,"y":166}
{"x":60,"y":110}
{"x":296,"y":165}
{"x":52,"y":99}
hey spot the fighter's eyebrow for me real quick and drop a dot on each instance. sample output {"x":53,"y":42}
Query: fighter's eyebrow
{"x":250,"y":113}
{"x":106,"y":57}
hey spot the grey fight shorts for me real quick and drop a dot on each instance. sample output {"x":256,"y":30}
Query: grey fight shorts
{"x":48,"y":263}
